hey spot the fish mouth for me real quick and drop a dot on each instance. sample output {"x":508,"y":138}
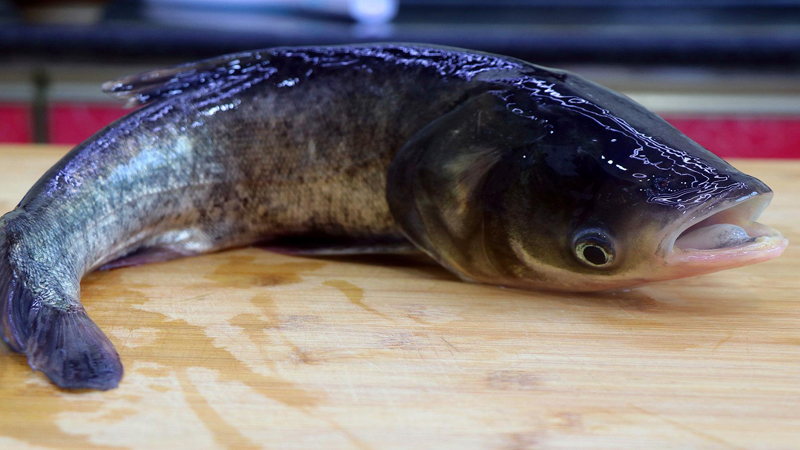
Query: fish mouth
{"x":724,"y":235}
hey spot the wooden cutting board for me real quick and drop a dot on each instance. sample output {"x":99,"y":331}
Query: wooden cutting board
{"x":248,"y":349}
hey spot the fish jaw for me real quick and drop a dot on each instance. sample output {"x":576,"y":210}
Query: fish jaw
{"x":722,"y":236}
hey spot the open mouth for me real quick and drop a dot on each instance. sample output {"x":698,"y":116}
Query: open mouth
{"x":727,"y":234}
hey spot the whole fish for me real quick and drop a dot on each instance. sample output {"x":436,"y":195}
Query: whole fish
{"x":502,"y":171}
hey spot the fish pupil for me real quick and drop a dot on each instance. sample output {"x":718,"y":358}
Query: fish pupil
{"x":595,"y":255}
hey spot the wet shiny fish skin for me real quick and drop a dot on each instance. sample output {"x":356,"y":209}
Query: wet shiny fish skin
{"x":489,"y":164}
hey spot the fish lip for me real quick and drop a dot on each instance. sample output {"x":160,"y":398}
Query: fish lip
{"x":768,"y":243}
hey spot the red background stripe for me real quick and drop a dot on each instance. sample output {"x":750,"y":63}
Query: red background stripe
{"x":727,"y":136}
{"x":16,"y":123}
{"x":73,"y":123}
{"x":742,"y":136}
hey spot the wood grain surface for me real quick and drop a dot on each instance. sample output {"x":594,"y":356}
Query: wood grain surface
{"x":248,"y":349}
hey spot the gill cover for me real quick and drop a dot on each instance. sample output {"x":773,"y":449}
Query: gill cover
{"x":445,"y":190}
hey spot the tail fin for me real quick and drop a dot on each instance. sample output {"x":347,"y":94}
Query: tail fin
{"x":72,"y":351}
{"x":64,"y":344}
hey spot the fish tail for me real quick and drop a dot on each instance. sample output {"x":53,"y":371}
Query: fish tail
{"x":16,"y":302}
{"x":64,"y":344}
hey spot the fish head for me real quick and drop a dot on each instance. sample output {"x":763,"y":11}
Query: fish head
{"x":541,"y":187}
{"x":611,"y":197}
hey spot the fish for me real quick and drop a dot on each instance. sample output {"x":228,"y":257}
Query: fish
{"x":502,"y":171}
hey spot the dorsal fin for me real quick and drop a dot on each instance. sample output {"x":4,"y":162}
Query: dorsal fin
{"x":246,"y":69}
{"x":159,"y":84}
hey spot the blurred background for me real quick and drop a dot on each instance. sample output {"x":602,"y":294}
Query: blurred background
{"x":726,"y":72}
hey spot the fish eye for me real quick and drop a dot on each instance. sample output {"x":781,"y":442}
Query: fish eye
{"x":594,"y":248}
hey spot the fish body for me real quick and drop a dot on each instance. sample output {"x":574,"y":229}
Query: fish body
{"x":502,"y":171}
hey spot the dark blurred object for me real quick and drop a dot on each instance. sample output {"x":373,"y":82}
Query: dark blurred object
{"x":38,"y":3}
{"x":597,"y":3}
{"x":7,"y":12}
{"x":72,"y":12}
{"x":26,"y":4}
{"x":740,"y":33}
{"x":361,"y":11}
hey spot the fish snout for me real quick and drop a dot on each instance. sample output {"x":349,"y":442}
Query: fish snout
{"x":724,"y":233}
